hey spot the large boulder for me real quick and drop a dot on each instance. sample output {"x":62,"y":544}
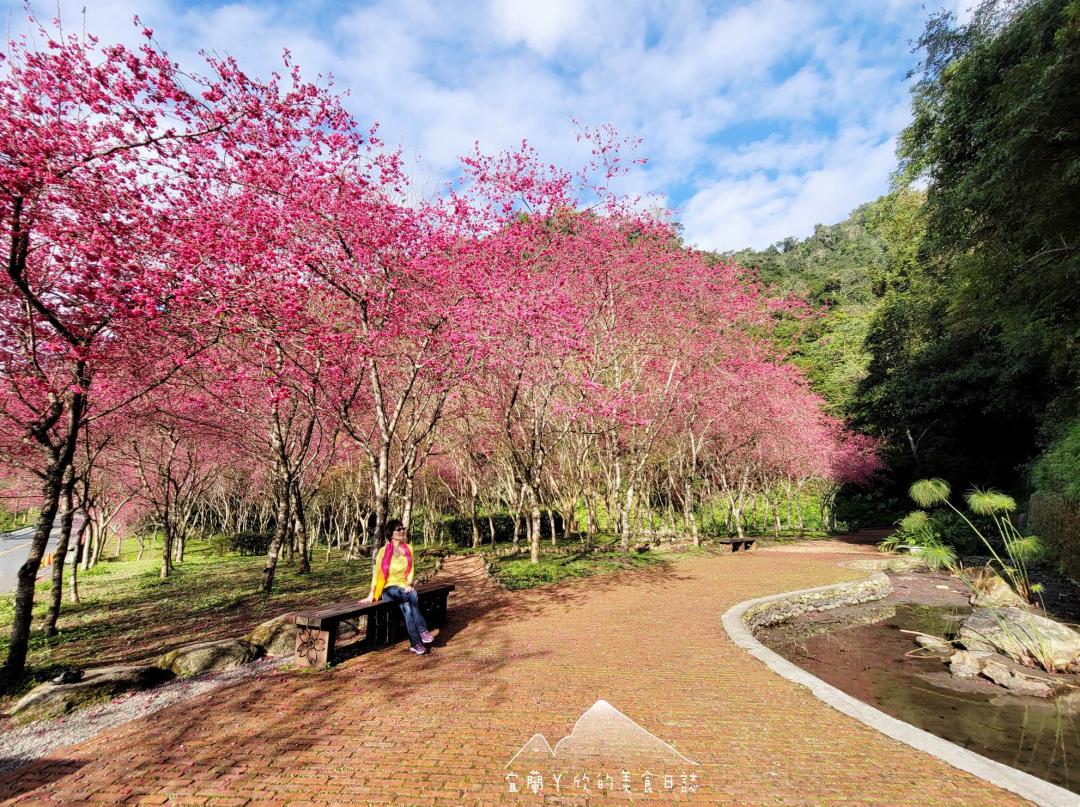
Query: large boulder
{"x":277,"y":636}
{"x":989,"y":590}
{"x":1030,"y":639}
{"x":195,"y":659}
{"x":97,"y":685}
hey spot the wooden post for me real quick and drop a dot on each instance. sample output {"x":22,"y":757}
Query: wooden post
{"x":314,"y":647}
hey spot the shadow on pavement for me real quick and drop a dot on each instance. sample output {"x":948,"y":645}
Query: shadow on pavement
{"x":33,"y":775}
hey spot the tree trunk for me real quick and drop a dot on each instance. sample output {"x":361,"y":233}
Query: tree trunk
{"x":736,"y":517}
{"x":568,"y":522}
{"x":88,"y":540}
{"x":80,"y":549}
{"x":99,"y":546}
{"x":624,"y":519}
{"x":472,"y":514}
{"x":407,"y":508}
{"x":300,"y":528}
{"x":166,"y":549}
{"x":382,"y":494}
{"x":534,"y":534}
{"x":281,"y":533}
{"x":67,"y":515}
{"x":688,"y":513}
{"x":15,"y":663}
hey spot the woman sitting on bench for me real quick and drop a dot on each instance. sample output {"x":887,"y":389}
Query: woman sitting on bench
{"x":392,"y":581}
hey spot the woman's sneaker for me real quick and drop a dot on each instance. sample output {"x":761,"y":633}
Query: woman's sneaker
{"x":419,"y":649}
{"x":426,"y":637}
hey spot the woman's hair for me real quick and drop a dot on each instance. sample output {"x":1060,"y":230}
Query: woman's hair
{"x":389,"y":527}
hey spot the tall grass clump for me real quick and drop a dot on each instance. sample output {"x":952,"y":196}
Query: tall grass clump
{"x":1012,"y":553}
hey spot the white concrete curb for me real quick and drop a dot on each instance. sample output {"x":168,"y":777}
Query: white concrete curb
{"x":1023,"y":784}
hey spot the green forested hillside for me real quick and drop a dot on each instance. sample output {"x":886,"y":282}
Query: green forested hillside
{"x":841,"y":270}
{"x":952,"y":305}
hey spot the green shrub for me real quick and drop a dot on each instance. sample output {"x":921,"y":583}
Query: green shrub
{"x":1057,"y":519}
{"x":458,"y":529}
{"x":867,"y":509}
{"x":248,"y":542}
{"x":918,"y":530}
{"x":1058,"y":470}
{"x":219,"y":544}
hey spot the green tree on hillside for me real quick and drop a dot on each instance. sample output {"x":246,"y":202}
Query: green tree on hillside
{"x":974,"y":346}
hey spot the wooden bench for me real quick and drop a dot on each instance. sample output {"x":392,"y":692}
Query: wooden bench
{"x":738,"y":544}
{"x":317,"y":631}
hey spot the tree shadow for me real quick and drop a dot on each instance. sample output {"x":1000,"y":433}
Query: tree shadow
{"x":18,"y":777}
{"x":249,"y":737}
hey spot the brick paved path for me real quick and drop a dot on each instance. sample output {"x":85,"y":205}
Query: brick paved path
{"x":389,"y":726}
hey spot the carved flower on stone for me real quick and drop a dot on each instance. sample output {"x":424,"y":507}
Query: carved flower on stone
{"x":310,"y":645}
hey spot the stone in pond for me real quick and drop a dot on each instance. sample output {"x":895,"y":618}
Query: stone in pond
{"x":933,"y":643}
{"x":276,"y":636}
{"x":101,"y":684}
{"x":1033,"y":640}
{"x":1016,"y":682}
{"x":967,"y":663}
{"x":195,"y":659}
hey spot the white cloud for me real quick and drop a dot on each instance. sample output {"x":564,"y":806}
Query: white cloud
{"x":759,"y":209}
{"x":541,"y":26}
{"x":760,"y":117}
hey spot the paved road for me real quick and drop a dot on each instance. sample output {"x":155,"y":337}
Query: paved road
{"x":14,"y":547}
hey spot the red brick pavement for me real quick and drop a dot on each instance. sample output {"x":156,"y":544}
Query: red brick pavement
{"x":392,"y":727}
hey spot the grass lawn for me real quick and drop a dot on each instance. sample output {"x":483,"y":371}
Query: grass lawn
{"x":127,"y":614}
{"x":517,"y":572}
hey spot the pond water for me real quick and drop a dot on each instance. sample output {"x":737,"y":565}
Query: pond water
{"x":863,"y":651}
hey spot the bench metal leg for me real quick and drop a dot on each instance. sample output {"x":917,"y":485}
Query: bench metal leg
{"x":383,"y":626}
{"x":315,"y":648}
{"x":387,"y":625}
{"x":434,"y":609}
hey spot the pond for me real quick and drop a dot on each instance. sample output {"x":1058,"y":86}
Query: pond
{"x":863,"y":651}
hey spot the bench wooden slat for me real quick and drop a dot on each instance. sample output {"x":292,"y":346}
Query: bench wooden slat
{"x":323,"y":617}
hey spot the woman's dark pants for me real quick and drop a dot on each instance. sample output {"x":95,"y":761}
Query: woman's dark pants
{"x":410,"y":609}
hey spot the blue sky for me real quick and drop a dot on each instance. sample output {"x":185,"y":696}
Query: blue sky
{"x":760,"y":118}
